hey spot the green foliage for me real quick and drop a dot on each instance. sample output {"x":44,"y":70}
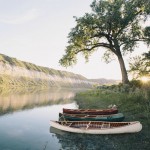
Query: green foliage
{"x":136,"y":83}
{"x":147,"y":55}
{"x":140,"y":65}
{"x":147,"y":34}
{"x":133,"y":86}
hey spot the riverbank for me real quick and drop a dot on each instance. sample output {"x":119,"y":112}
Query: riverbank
{"x":135,"y":105}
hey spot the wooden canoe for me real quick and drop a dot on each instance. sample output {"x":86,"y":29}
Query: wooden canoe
{"x":97,"y":127}
{"x":85,"y":117}
{"x":91,"y":111}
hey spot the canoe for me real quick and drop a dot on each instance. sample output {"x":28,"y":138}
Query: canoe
{"x":85,"y":117}
{"x":97,"y":127}
{"x":91,"y":111}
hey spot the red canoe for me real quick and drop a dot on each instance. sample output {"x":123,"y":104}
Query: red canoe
{"x":91,"y":111}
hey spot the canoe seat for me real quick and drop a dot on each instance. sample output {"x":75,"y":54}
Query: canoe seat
{"x":69,"y":124}
{"x":64,"y":122}
{"x":105,"y":125}
{"x":88,"y":125}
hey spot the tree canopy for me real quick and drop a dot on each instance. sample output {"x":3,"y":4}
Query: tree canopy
{"x":140,"y":66}
{"x":116,"y":25}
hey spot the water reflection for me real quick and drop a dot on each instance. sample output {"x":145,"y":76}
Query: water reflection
{"x":29,"y":129}
{"x":15,"y":100}
{"x":75,"y":141}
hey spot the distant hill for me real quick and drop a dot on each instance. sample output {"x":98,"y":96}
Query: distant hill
{"x":30,"y":66}
{"x":16,"y":73}
{"x":103,"y":81}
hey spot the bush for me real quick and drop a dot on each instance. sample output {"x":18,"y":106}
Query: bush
{"x":133,"y":86}
{"x":136,"y":83}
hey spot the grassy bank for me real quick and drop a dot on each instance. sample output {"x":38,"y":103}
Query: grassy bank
{"x":136,"y":104}
{"x":133,"y":103}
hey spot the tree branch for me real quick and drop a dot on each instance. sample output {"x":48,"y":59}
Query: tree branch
{"x":94,"y":46}
{"x":127,"y":23}
{"x":136,"y":40}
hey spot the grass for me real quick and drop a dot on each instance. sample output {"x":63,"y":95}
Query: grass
{"x":134,"y":104}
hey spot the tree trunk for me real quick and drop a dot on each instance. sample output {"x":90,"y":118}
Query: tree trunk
{"x":125,"y":79}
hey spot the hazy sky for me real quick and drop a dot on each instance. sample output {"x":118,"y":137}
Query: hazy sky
{"x":36,"y":31}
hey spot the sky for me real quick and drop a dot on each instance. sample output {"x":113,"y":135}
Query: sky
{"x":36,"y":31}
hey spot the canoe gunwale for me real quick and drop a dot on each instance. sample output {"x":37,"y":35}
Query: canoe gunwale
{"x":87,"y":115}
{"x":84,"y":117}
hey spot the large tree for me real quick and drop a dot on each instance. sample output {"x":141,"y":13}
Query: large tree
{"x":116,"y":25}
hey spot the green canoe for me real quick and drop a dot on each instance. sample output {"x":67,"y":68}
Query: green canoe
{"x":85,"y":117}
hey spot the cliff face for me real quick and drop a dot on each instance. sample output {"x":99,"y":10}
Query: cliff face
{"x":18,"y":73}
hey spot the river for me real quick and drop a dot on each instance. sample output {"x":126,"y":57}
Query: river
{"x":25,"y":118}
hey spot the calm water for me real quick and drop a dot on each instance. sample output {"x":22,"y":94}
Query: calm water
{"x":25,"y":118}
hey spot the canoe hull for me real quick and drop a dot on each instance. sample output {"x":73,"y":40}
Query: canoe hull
{"x":91,"y":111}
{"x":132,"y":128}
{"x":111,"y":118}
